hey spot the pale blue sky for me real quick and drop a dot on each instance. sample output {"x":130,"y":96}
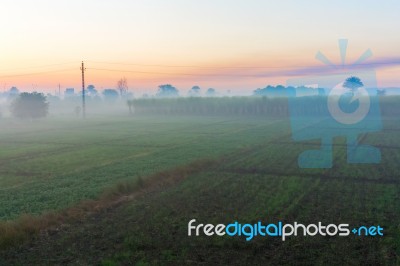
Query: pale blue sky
{"x":182,"y":32}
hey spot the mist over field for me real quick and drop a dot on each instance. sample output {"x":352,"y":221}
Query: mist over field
{"x":199,"y":132}
{"x":70,"y":182}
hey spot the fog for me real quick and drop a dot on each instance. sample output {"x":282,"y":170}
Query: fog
{"x":24,"y":106}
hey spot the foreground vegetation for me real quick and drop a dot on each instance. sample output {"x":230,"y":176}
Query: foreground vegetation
{"x":51,"y":165}
{"x":159,"y":173}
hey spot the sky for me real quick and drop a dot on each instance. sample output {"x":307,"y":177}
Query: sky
{"x":223,"y":44}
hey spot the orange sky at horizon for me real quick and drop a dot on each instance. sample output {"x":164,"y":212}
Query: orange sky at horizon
{"x":192,"y":43}
{"x":146,"y":79}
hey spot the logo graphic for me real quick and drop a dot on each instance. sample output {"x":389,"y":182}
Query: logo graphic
{"x":348,"y":118}
{"x":341,"y":103}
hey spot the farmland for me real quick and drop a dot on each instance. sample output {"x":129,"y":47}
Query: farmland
{"x":251,"y":175}
{"x":51,"y":165}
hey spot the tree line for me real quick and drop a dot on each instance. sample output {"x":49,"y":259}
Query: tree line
{"x":247,"y":105}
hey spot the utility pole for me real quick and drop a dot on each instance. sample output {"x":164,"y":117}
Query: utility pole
{"x":83,"y":91}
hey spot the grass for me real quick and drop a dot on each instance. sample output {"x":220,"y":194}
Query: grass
{"x":164,"y":172}
{"x":27,"y":226}
{"x":56,"y":164}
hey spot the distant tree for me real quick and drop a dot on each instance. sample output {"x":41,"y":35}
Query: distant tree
{"x":381,"y":92}
{"x":211,"y":92}
{"x":30,"y":105}
{"x":194,"y":91}
{"x":167,"y":90}
{"x":271,"y":91}
{"x":122,"y":86}
{"x":91,"y":90}
{"x":52,"y":98}
{"x":280,"y":87}
{"x":110,"y":95}
{"x":69,"y":92}
{"x":13,"y":91}
{"x":353,"y":83}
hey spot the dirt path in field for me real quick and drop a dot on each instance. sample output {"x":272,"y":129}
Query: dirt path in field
{"x":81,"y":225}
{"x":85,"y":232}
{"x":82,"y":239}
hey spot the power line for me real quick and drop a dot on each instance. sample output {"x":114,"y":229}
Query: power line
{"x":179,"y":66}
{"x":38,"y":73}
{"x":42,"y":66}
{"x":170,"y":66}
{"x":166,"y":73}
{"x":241,"y":67}
{"x":221,"y":75}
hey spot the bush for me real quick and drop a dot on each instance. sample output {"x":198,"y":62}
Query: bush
{"x":30,"y":105}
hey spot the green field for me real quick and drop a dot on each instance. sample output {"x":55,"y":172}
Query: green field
{"x":252,"y":175}
{"x":53,"y":164}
